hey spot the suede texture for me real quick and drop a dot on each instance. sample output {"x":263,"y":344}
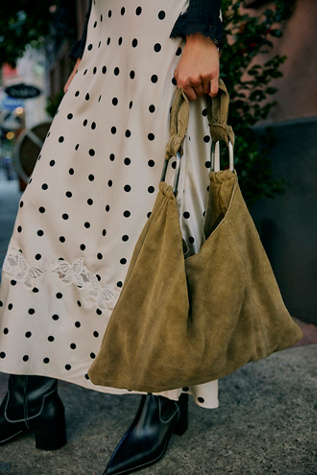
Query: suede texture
{"x":186,"y":321}
{"x":181,"y":322}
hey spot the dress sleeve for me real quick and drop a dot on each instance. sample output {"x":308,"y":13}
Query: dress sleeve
{"x":201,"y":16}
{"x":77,"y":50}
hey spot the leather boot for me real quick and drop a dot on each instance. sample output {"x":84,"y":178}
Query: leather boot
{"x":32,"y":404}
{"x":147,"y":438}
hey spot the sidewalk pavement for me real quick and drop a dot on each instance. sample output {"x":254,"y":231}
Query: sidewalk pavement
{"x":266,"y":422}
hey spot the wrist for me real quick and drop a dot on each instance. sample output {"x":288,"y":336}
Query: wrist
{"x":198,"y":38}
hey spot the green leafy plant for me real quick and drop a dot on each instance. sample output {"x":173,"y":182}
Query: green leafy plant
{"x":250,"y":89}
{"x":25,"y":22}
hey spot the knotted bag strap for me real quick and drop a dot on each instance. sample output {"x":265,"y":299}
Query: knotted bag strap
{"x":217,"y":114}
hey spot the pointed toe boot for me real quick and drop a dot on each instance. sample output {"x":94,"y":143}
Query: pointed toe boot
{"x":146,"y":440}
{"x":32,"y":404}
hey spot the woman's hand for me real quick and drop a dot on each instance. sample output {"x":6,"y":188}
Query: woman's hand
{"x":197,"y":72}
{"x":74,"y":71}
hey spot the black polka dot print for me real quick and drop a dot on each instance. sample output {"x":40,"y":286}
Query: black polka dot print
{"x":93,"y":189}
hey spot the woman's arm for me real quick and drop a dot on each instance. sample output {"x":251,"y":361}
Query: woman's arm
{"x":201,"y":16}
{"x":197,"y":72}
{"x":198,"y":69}
{"x":71,"y":77}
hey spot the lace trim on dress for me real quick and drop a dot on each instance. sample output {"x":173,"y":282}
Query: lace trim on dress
{"x":81,"y":276}
{"x":18,"y":268}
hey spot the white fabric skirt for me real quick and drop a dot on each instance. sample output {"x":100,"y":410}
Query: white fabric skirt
{"x":91,"y":193}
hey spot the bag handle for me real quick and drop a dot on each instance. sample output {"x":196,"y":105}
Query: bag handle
{"x":217,"y":114}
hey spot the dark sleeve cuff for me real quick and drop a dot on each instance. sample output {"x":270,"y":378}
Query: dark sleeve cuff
{"x":202,"y":16}
{"x":184,"y":27}
{"x":77,"y":50}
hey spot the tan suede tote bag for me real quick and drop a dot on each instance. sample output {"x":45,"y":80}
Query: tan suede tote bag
{"x":181,"y":322}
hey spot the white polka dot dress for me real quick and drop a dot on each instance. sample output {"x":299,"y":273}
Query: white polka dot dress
{"x":91,"y":193}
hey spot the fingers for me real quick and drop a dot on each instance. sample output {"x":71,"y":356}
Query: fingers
{"x":190,"y":93}
{"x":74,"y":71}
{"x":213,"y":87}
{"x":198,"y":88}
{"x":69,"y":80}
{"x":67,"y":85}
{"x":192,"y":89}
{"x":206,"y":85}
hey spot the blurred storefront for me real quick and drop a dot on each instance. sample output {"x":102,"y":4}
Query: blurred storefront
{"x":47,"y":70}
{"x":20,"y":111}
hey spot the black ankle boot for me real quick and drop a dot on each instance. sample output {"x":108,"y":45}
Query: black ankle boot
{"x":32,"y":404}
{"x":147,"y":438}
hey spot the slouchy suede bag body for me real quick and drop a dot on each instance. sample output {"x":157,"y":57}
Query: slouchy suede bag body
{"x":181,"y":322}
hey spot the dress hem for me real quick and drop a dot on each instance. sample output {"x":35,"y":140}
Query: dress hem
{"x":113,"y":391}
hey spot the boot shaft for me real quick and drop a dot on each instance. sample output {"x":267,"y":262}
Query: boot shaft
{"x":33,"y":404}
{"x":31,"y":396}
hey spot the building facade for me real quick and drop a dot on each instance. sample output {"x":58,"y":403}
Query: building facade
{"x":288,"y":223}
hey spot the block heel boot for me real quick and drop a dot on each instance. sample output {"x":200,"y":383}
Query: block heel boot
{"x":146,"y":440}
{"x":32,"y":404}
